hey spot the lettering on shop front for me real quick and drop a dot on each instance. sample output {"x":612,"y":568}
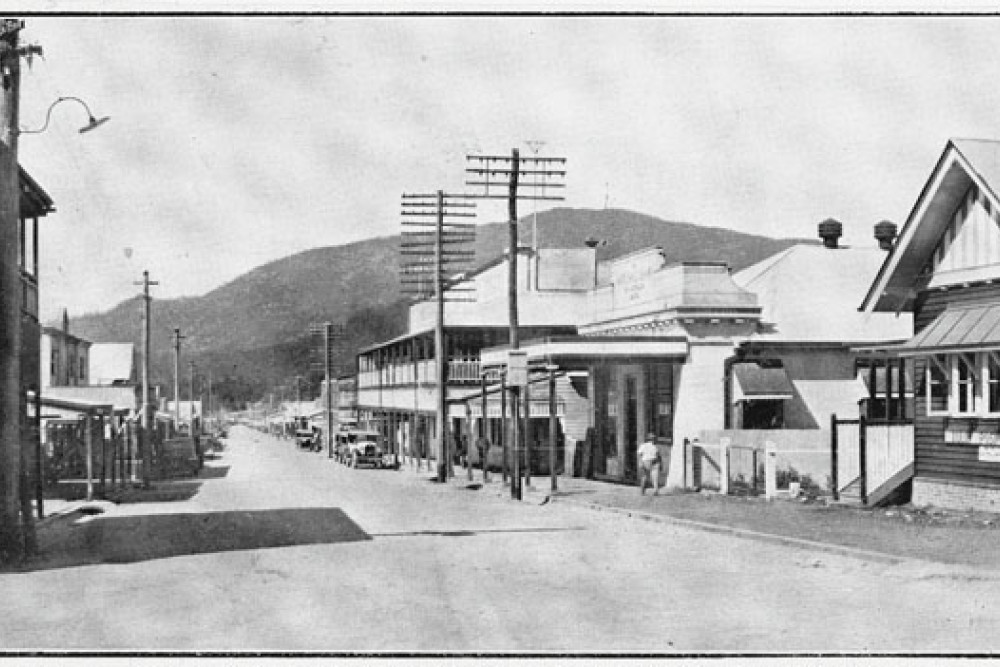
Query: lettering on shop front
{"x":964,"y":436}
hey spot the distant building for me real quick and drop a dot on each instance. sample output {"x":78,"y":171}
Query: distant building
{"x":396,"y":382}
{"x":75,"y":369}
{"x":113,"y":364}
{"x":65,"y":358}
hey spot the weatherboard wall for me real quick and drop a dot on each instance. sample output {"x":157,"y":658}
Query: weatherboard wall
{"x":941,"y":465}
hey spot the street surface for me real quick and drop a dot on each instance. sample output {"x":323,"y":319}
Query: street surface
{"x":281,"y":550}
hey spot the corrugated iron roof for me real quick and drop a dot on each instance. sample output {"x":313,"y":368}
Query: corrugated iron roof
{"x":958,"y":329}
{"x":811,"y":294}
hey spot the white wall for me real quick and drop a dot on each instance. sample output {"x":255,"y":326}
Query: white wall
{"x":700,"y":399}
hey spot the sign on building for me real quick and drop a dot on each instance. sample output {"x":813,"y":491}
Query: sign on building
{"x":517,"y":368}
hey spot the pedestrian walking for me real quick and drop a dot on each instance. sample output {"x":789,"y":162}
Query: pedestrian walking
{"x":649,"y":464}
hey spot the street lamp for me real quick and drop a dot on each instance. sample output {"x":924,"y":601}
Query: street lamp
{"x":92,"y":122}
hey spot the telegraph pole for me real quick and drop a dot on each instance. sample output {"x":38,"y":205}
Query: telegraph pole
{"x":209,"y":412}
{"x":298,"y":400}
{"x":147,"y":438}
{"x":177,"y":377}
{"x":327,"y":334}
{"x":332,"y":336}
{"x":537,"y":172}
{"x":426,"y":264}
{"x":191,"y":397}
{"x":11,"y":534}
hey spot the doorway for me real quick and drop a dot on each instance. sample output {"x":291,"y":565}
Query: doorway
{"x":631,"y":429}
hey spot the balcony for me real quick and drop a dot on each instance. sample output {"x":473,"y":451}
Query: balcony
{"x":408,"y":373}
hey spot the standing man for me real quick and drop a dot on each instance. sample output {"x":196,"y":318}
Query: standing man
{"x":649,"y":463}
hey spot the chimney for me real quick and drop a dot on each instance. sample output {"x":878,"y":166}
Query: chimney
{"x":885,"y":234}
{"x":830,"y":231}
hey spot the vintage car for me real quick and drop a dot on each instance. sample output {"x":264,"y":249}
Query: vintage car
{"x":309,"y":439}
{"x":357,"y":447}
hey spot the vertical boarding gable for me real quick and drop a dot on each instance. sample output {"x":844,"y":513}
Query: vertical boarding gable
{"x":968,"y":249}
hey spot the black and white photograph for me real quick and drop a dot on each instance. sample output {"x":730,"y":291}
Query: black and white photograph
{"x":499,"y":333}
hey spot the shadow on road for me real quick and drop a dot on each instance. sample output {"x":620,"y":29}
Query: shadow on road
{"x":472,"y":533}
{"x":213,"y":472}
{"x":168,"y":490}
{"x":74,"y":540}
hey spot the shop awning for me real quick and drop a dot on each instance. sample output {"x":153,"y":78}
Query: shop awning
{"x":593,"y":349}
{"x":754,"y":383}
{"x":957,"y":329}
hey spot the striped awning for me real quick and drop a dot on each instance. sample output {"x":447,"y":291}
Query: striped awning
{"x":957,"y":329}
{"x":754,"y":383}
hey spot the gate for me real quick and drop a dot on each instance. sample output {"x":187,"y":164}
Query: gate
{"x":744,"y":477}
{"x":870,"y":459}
{"x":845,"y":454}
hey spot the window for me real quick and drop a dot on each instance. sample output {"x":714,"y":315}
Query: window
{"x":963,"y":384}
{"x":938,"y":382}
{"x":83,"y":369}
{"x":965,"y":374}
{"x":993,"y":382}
{"x":54,"y":363}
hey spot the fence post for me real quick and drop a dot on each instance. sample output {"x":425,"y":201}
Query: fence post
{"x":863,"y":460}
{"x":88,"y":439}
{"x":834,"y":481}
{"x":770,"y":465}
{"x":724,"y":466}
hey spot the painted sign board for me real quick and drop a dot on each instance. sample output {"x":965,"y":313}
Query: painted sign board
{"x":517,"y":368}
{"x":989,"y":454}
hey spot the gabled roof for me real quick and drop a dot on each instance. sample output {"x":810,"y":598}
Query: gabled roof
{"x":810,"y":294}
{"x":963,"y":163}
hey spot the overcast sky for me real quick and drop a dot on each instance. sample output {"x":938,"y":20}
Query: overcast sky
{"x":236,"y":141}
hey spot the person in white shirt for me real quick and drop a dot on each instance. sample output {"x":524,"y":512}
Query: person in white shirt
{"x":649,"y":464}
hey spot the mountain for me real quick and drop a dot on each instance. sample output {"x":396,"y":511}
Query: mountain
{"x":253,"y":332}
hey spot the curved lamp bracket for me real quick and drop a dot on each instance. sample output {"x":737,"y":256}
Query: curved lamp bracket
{"x":92,"y":122}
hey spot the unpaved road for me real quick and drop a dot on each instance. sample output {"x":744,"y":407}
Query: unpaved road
{"x":279,"y":550}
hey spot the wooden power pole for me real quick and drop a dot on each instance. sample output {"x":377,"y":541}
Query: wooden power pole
{"x":429,"y":259}
{"x":15,"y":506}
{"x":11,"y":536}
{"x":146,"y":439}
{"x":177,"y":377}
{"x":509,"y":173}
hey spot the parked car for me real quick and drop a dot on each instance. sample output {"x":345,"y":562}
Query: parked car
{"x":356,"y":447}
{"x":309,"y":439}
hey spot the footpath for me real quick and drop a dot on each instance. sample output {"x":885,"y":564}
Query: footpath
{"x":897,"y":534}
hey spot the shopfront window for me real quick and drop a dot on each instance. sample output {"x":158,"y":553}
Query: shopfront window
{"x":660,"y":409}
{"x":611,"y":429}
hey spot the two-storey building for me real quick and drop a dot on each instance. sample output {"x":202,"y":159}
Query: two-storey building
{"x":66,"y":357}
{"x":396,"y":384}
